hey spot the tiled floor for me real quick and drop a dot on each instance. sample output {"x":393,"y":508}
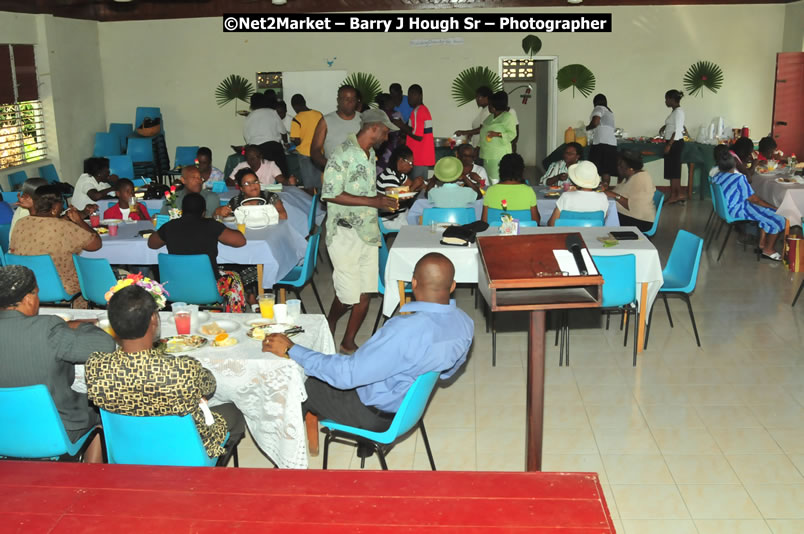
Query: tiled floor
{"x":707,"y":440}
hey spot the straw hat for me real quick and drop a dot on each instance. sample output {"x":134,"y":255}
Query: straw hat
{"x":448,"y":169}
{"x":584,"y":174}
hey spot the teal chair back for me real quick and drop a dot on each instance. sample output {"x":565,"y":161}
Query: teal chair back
{"x":156,"y":440}
{"x":619,"y":279}
{"x":585,"y":219}
{"x":383,"y":256}
{"x":493,"y":214}
{"x":49,"y":173}
{"x":141,"y":181}
{"x":185,"y":155}
{"x":47,"y":278}
{"x":16,"y":179}
{"x":96,"y":278}
{"x":311,"y":215}
{"x":160,"y":220}
{"x":122,"y":130}
{"x":219,"y":187}
{"x":32,"y":427}
{"x":189,"y":278}
{"x":300,"y":275}
{"x":122,"y":166}
{"x":2,"y":258}
{"x":721,"y":207}
{"x":142,"y":112}
{"x":448,"y":215}
{"x":106,"y":144}
{"x":140,"y":150}
{"x":408,"y":415}
{"x":681,"y":272}
{"x":11,"y":198}
{"x":658,"y":201}
{"x":5,"y":231}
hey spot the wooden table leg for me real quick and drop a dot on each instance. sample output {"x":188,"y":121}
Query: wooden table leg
{"x":643,"y":314}
{"x":311,"y":424}
{"x":690,"y":179}
{"x":260,"y":290}
{"x":535,"y":400}
{"x":401,"y":285}
{"x":282,"y":295}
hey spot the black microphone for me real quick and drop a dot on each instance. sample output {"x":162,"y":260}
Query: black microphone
{"x":574,"y":245}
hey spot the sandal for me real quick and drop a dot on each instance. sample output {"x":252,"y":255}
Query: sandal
{"x":775,"y":256}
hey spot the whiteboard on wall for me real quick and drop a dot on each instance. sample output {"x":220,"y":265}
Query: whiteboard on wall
{"x":319,"y":88}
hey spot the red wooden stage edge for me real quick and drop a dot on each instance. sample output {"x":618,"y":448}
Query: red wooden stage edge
{"x":43,"y":497}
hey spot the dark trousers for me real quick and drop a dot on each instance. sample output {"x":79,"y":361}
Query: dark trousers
{"x":643,"y":226}
{"x":235,"y":423}
{"x":343,"y":406}
{"x":273,"y":151}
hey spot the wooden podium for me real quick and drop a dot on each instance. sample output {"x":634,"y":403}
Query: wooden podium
{"x":519,"y":273}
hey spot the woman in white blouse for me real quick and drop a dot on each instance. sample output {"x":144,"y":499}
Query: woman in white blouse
{"x":603,"y":150}
{"x":673,"y":133}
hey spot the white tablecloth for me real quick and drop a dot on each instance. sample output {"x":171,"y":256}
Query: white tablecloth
{"x":792,"y":206}
{"x":268,"y":389}
{"x":768,"y":189}
{"x":413,"y":242}
{"x":545,"y":205}
{"x":278,"y":248}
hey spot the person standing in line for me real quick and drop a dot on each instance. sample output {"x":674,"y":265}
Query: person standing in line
{"x":334,"y":128}
{"x":400,"y":101}
{"x":496,"y":135}
{"x":482,"y":95}
{"x":673,"y":133}
{"x":420,"y":135}
{"x":264,"y":127}
{"x":353,"y":232}
{"x":603,"y":152}
{"x":302,"y":129}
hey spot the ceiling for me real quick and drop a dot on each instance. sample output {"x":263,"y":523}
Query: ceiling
{"x":110,"y":10}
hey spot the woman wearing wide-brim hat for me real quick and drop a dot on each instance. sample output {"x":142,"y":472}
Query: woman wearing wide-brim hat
{"x":585,"y":197}
{"x":444,"y":191}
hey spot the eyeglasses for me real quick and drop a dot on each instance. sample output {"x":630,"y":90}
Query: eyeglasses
{"x":407,"y":161}
{"x":248,"y":183}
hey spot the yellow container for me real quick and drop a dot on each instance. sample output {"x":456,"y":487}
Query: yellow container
{"x":569,"y":135}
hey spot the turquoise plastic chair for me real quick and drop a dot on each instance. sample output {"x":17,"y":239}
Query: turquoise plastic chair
{"x":32,"y":427}
{"x":122,"y":130}
{"x":311,"y":214}
{"x":106,"y":144}
{"x":11,"y":198}
{"x":298,"y":277}
{"x":96,"y":278}
{"x":448,"y":215}
{"x":721,"y":207}
{"x":151,"y":112}
{"x":584,"y":219}
{"x":5,"y":231}
{"x":658,"y":201}
{"x":122,"y":166}
{"x":140,"y":150}
{"x":157,"y":440}
{"x":383,"y":257}
{"x":141,"y":181}
{"x":409,"y":415}
{"x":160,"y":220}
{"x":185,"y":155}
{"x":680,"y":276}
{"x":49,"y":173}
{"x":189,"y":278}
{"x":712,"y":198}
{"x":16,"y":179}
{"x":219,"y":187}
{"x":493,"y":215}
{"x":47,"y":278}
{"x":3,"y":261}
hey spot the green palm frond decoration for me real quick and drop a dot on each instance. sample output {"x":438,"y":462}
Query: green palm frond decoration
{"x":703,"y":74}
{"x":578,"y":77}
{"x":470,"y":80}
{"x":368,"y":85}
{"x":531,"y":45}
{"x":233,"y":87}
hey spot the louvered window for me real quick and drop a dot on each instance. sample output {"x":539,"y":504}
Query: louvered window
{"x":22,"y":125}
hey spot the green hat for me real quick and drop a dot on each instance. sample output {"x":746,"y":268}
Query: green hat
{"x":448,"y":169}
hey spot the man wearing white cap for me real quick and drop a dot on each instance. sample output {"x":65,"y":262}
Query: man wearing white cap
{"x":584,"y":198}
{"x":353,"y":234}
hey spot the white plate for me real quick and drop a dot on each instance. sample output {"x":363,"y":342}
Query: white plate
{"x":261,"y":321}
{"x":111,"y":221}
{"x":227,"y":325}
{"x":405,"y":196}
{"x":269,"y":329}
{"x":229,"y":219}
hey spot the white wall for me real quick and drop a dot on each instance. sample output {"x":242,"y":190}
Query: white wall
{"x":794,"y":27}
{"x":176,"y":64}
{"x":70,"y":86}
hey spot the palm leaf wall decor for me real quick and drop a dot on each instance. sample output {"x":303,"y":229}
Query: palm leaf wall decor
{"x":470,"y":80}
{"x":233,"y":87}
{"x":703,"y":75}
{"x":578,"y":77}
{"x":531,"y":45}
{"x":368,"y":85}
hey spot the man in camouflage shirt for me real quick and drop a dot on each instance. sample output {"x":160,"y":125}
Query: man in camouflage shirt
{"x":353,"y":235}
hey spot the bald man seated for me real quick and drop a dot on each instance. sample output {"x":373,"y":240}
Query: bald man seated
{"x":366,"y":389}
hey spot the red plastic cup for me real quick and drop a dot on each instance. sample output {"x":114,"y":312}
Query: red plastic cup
{"x":94,"y":220}
{"x":112,"y":229}
{"x":182,"y":319}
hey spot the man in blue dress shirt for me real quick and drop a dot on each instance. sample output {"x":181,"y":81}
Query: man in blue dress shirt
{"x":366,"y":389}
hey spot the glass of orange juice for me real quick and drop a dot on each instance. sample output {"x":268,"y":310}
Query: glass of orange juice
{"x":266,"y":303}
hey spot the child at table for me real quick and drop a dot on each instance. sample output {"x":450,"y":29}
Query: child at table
{"x":127,"y":206}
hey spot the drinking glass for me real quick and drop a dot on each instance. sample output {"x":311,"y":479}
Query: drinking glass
{"x":294,"y":309}
{"x":182,"y":319}
{"x":266,"y":303}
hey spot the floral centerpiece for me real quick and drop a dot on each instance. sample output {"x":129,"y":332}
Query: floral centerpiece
{"x":508,"y":225}
{"x":151,"y":286}
{"x":171,"y":201}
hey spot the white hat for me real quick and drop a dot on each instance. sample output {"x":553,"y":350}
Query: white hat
{"x":584,"y":174}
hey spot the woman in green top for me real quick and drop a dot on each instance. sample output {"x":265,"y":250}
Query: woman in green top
{"x":512,"y":188}
{"x":496,"y":134}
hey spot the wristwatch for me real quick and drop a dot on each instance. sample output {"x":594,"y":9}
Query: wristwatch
{"x":617,"y":197}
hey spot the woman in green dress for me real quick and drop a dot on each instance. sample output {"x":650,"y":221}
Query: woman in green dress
{"x":496,"y":134}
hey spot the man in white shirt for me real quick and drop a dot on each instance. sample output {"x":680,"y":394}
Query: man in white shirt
{"x":95,"y":184}
{"x":262,"y":124}
{"x":474,"y":175}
